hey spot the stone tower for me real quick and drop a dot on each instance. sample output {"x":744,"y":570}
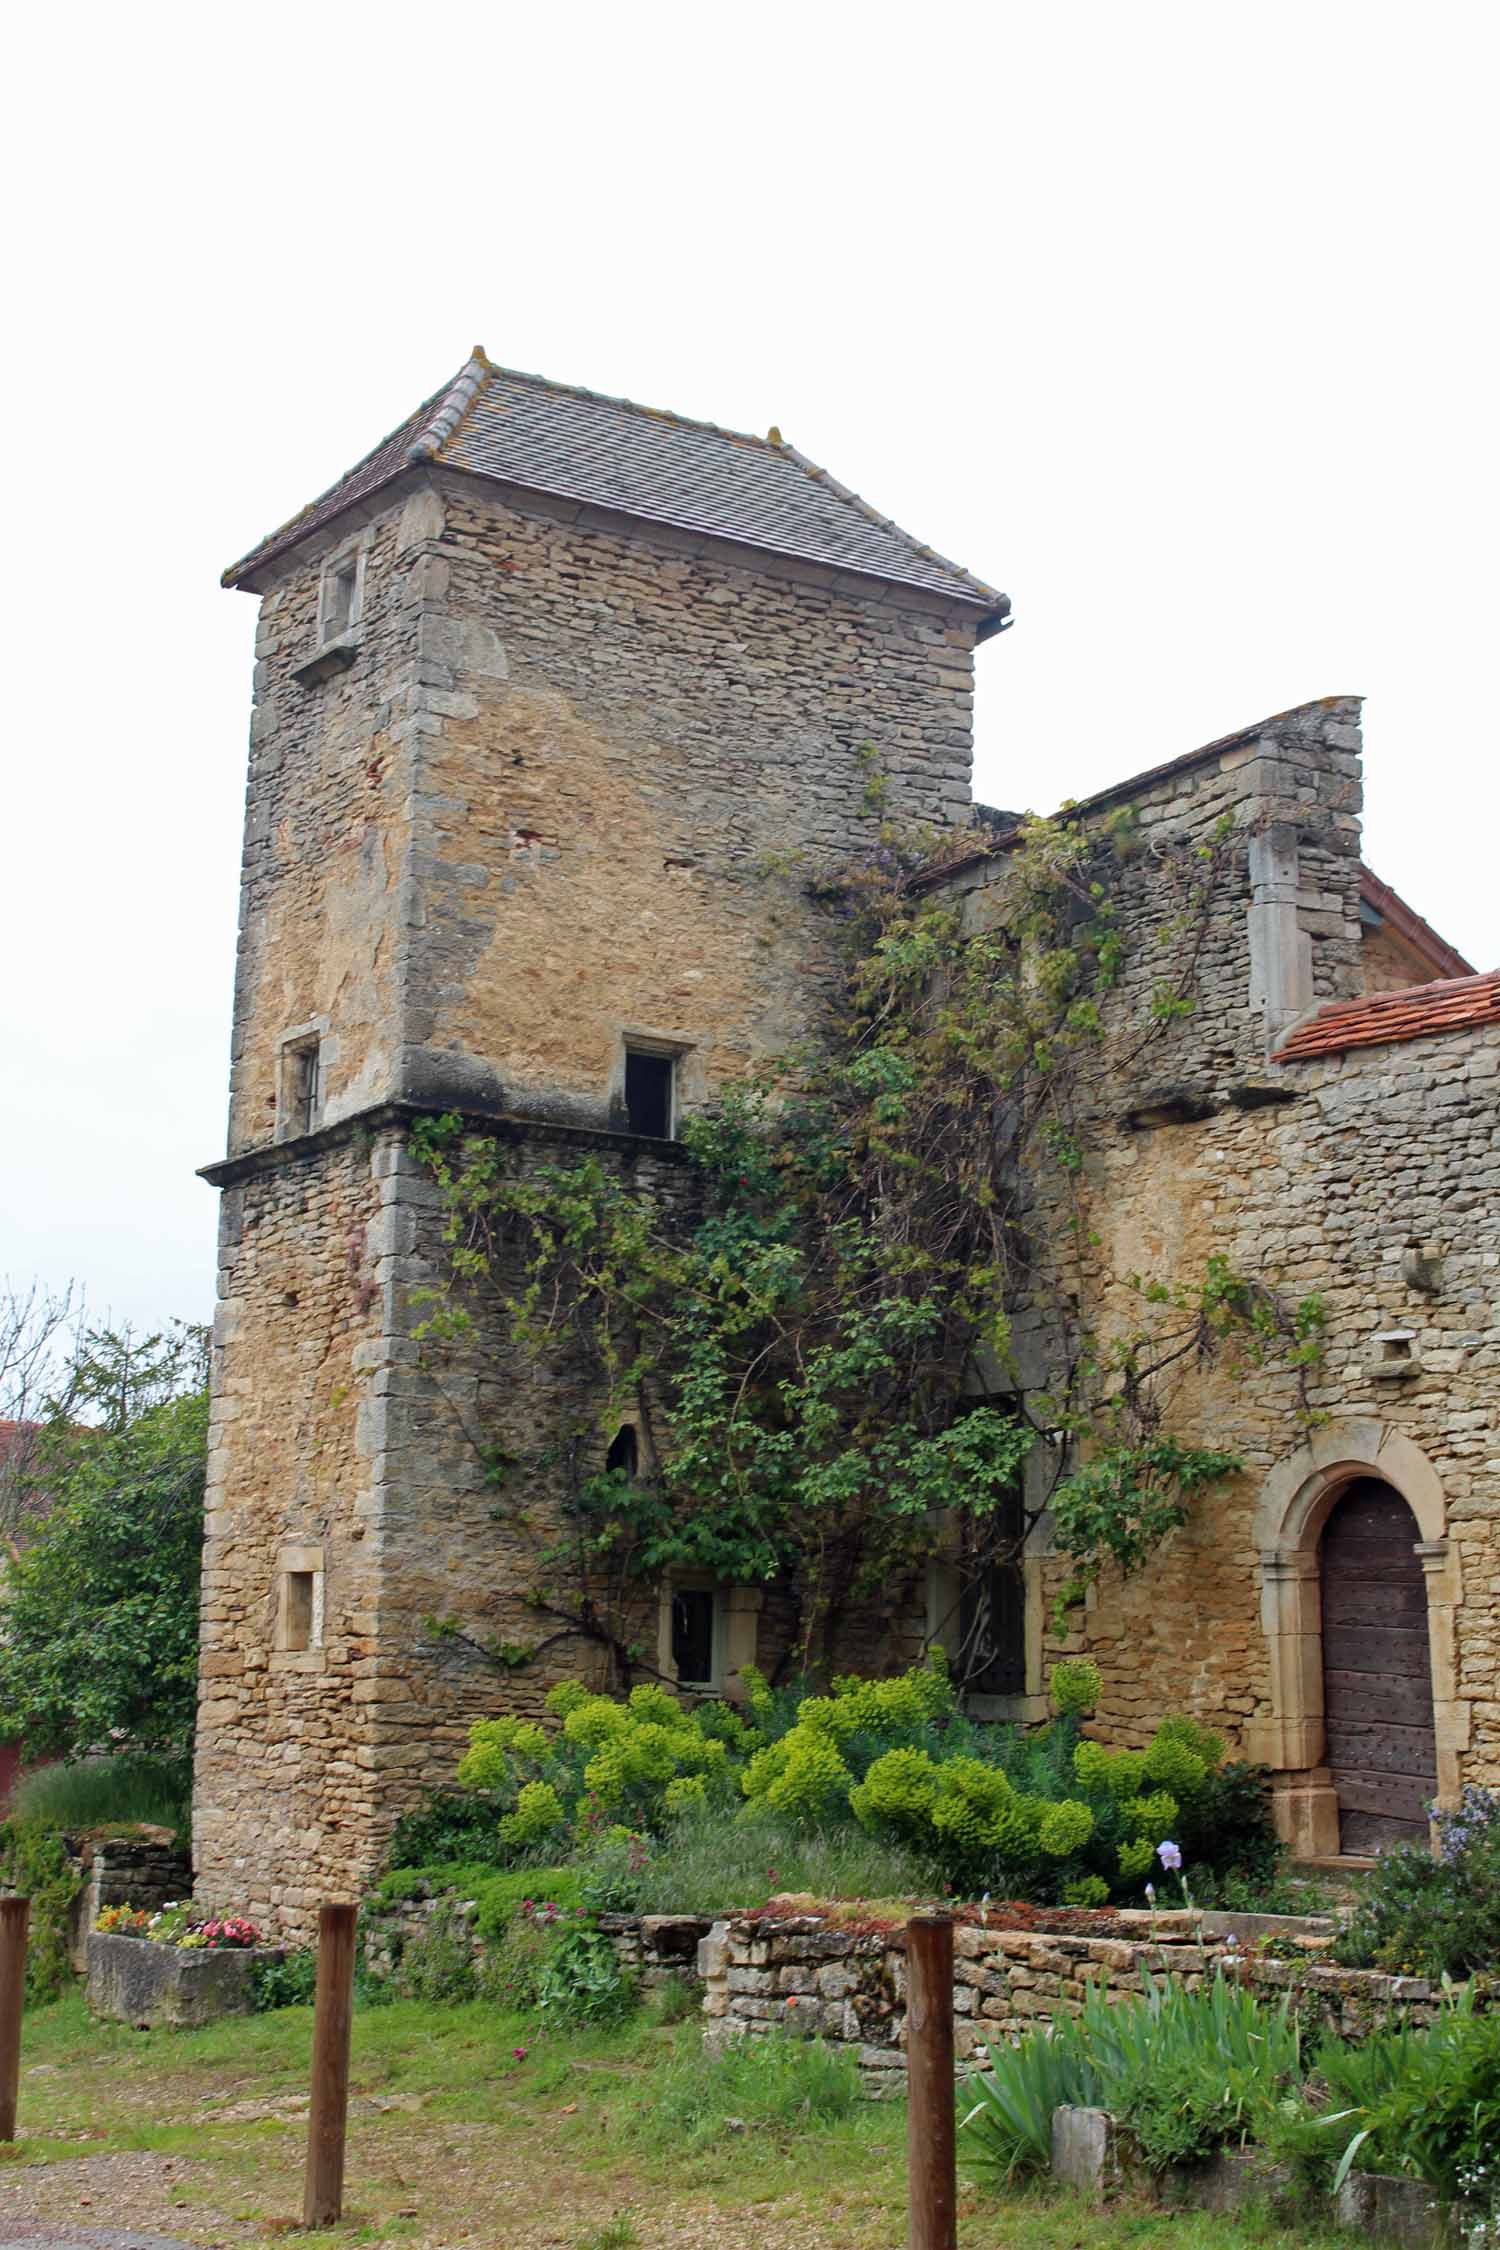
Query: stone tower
{"x":542,"y":686}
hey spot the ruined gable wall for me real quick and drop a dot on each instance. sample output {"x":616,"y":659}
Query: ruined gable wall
{"x":1312,"y":1178}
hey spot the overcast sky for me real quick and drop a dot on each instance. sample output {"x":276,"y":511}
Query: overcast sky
{"x":1177,"y":322}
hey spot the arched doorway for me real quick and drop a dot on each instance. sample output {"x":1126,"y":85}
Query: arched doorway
{"x":1380,"y":1743}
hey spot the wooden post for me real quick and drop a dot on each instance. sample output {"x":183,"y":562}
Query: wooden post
{"x":932,"y":2186}
{"x":328,"y":2114}
{"x":14,"y":1915}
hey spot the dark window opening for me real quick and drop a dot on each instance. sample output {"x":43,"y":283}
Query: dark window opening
{"x":648,"y":1093}
{"x":624,"y":1452}
{"x":992,"y":1605}
{"x":693,"y":1636}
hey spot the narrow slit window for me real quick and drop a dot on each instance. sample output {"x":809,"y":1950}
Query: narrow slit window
{"x":299,"y":1609}
{"x":302,"y":1086}
{"x":338,"y":600}
{"x":693,"y":1615}
{"x":649,"y":1090}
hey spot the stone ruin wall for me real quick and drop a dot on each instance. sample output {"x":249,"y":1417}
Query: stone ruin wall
{"x":1313,"y":1177}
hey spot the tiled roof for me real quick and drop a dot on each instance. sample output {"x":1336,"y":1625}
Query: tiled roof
{"x":1415,"y":1013}
{"x":1444,"y":959}
{"x":640,"y":462}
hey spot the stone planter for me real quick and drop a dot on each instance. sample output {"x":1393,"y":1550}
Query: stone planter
{"x":147,"y":1985}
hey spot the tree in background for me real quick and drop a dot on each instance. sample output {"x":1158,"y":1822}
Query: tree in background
{"x":99,"y":1611}
{"x":34,"y":1324}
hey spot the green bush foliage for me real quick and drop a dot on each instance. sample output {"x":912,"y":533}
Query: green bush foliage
{"x":109,"y":1792}
{"x":1422,"y":1915}
{"x":35,"y":1863}
{"x":1043,"y":1814}
{"x":288,"y":1983}
{"x":99,"y":1610}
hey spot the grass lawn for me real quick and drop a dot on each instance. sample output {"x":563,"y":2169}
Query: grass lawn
{"x":596,"y":2141}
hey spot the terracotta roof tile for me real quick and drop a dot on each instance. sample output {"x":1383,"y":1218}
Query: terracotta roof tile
{"x":640,"y":462}
{"x":1415,"y":1013}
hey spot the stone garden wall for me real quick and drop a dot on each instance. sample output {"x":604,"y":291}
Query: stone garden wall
{"x":846,"y":1981}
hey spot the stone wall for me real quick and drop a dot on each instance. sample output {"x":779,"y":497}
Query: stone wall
{"x":652,"y":1949}
{"x":1369,"y":1180}
{"x":846,"y":1982}
{"x":570,"y":785}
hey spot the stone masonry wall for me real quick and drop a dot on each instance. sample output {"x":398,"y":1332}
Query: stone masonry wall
{"x":1312,"y":1178}
{"x":846,"y":1984}
{"x":570,"y":786}
{"x":285,"y":1766}
{"x":644,"y":754}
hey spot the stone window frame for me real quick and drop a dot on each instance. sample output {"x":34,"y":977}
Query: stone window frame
{"x":736,"y":1631}
{"x":340,"y":628}
{"x":288,"y":1653}
{"x":689,"y":1078}
{"x":290,"y":1046}
{"x":1296,"y":1501}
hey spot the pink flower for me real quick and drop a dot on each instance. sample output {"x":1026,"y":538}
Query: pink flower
{"x":520,"y":2053}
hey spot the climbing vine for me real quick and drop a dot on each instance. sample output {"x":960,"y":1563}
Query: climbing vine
{"x":819,"y":1350}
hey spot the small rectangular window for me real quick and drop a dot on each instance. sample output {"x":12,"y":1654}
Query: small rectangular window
{"x":694,"y":1611}
{"x":299,"y":1605}
{"x":299,"y":1609}
{"x":301,"y":1086}
{"x":649,"y":1091}
{"x":338,"y":598}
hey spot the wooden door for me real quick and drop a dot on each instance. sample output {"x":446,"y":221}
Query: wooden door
{"x":1377,"y":1670}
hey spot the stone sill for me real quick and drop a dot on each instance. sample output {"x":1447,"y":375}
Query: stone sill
{"x":334,"y":656}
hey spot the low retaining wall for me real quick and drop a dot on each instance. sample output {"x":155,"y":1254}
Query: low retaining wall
{"x":846,"y":1982}
{"x":654,"y":1949}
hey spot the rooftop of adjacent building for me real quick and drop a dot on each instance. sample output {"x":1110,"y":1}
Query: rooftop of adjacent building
{"x":551,"y":438}
{"x":1383,"y":1018}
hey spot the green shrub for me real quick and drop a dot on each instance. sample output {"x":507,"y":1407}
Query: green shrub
{"x":288,"y":1983}
{"x":450,"y":1826}
{"x":581,"y":1980}
{"x":773,"y":2085}
{"x":1425,"y":1916}
{"x":704,"y":1864}
{"x":1026,"y":1813}
{"x":1423,"y":2103}
{"x":34,"y":1862}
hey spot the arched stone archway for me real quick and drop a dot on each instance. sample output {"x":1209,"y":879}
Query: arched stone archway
{"x":1299,"y":1496}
